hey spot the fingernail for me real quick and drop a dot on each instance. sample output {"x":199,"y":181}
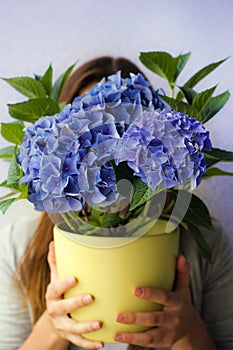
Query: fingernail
{"x":86,"y":299}
{"x":121,"y":318}
{"x":118,"y":337}
{"x":139,"y":292}
{"x":97,"y":325}
{"x":99,"y":345}
{"x":70,"y":279}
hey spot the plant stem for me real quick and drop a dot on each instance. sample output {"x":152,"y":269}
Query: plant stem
{"x":172,"y":91}
{"x":68,"y":222}
{"x":8,"y":195}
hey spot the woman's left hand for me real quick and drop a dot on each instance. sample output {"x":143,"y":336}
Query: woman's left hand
{"x":178,"y":322}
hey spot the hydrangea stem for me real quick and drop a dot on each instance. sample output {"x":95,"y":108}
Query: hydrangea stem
{"x":172,"y":91}
{"x":68,"y":222}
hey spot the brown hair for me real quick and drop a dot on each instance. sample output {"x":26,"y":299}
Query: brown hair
{"x":93,"y":71}
{"x":33,"y":269}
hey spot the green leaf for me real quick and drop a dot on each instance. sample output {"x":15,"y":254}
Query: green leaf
{"x":201,"y":243}
{"x":188,"y":93}
{"x":199,"y":75}
{"x":111,"y":220}
{"x":24,"y":191}
{"x":215,"y":172}
{"x":27,"y":86}
{"x":4,"y":184}
{"x":182,"y":60}
{"x":140,"y":191}
{"x":95,"y":215}
{"x":12,"y":132}
{"x":6,"y":203}
{"x":122,"y":172}
{"x":46,"y":80}
{"x":214,"y":105}
{"x":60,"y":82}
{"x":181,"y":107}
{"x":218,"y":155}
{"x":7,"y":152}
{"x":14,"y":173}
{"x":198,"y":214}
{"x":33,"y":109}
{"x":202,"y":73}
{"x":12,"y":188}
{"x":162,"y":63}
{"x":37,"y":77}
{"x":62,"y":105}
{"x":210,"y":162}
{"x":140,"y":195}
{"x":202,"y":99}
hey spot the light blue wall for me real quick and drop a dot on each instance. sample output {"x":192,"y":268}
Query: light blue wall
{"x":34,"y":33}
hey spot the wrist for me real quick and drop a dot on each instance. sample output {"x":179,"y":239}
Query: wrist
{"x":44,"y":336}
{"x":54,"y":338}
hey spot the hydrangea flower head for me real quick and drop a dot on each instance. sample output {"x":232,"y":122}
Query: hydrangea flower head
{"x":67,"y":158}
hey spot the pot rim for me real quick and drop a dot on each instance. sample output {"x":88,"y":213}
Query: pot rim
{"x":106,"y":242}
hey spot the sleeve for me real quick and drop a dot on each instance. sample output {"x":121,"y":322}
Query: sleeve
{"x":15,"y":322}
{"x":217,"y":302}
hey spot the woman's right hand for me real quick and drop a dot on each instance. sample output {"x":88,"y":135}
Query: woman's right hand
{"x":59,"y":309}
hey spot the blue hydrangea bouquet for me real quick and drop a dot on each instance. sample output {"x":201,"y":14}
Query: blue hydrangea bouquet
{"x":101,"y":159}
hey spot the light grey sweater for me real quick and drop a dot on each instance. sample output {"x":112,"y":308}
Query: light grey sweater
{"x":211,"y":287}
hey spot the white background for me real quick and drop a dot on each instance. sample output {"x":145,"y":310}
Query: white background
{"x":35,"y":33}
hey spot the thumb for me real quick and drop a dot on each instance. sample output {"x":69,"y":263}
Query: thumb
{"x":182,"y":275}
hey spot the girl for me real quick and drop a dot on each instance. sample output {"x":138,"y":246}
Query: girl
{"x":197,"y":314}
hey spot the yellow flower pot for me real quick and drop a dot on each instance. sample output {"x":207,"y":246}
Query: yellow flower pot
{"x":111,"y":274}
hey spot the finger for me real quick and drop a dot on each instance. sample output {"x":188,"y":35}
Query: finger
{"x":148,"y":319}
{"x":68,"y":325}
{"x":82,"y":342}
{"x":182,"y":276}
{"x":63,"y":307}
{"x":58,"y":287}
{"x":52,"y":262}
{"x":144,"y":339}
{"x":158,"y":296}
{"x":154,"y":338}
